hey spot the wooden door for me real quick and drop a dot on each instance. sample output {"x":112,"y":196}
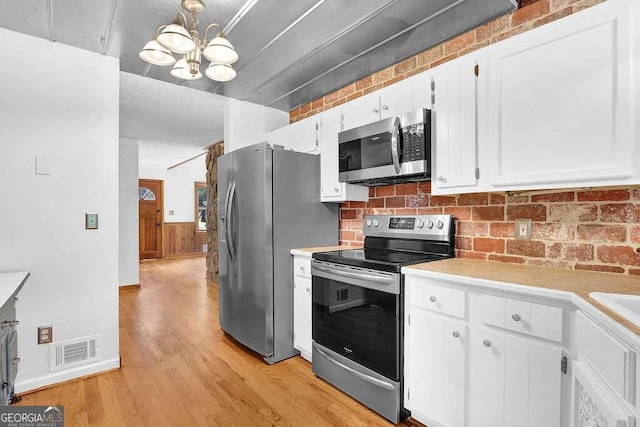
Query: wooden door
{"x":150,"y":218}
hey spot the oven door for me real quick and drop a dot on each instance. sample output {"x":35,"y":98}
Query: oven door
{"x":357,"y":313}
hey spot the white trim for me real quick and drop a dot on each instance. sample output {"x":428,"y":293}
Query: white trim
{"x":66,"y":375}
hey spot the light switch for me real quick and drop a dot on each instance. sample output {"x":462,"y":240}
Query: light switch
{"x":43,"y":166}
{"x":91,"y":221}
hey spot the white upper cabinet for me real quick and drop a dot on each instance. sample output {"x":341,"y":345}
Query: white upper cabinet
{"x":381,"y":104}
{"x":331,"y":189}
{"x":562,"y":102}
{"x":455,"y":87}
{"x":302,"y":136}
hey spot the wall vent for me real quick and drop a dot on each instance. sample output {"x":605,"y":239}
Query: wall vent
{"x":76,"y":352}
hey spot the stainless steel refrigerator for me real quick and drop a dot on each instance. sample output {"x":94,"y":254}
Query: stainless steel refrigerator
{"x":268,"y":203}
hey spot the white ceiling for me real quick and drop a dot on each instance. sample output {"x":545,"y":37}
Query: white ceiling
{"x":172,"y":123}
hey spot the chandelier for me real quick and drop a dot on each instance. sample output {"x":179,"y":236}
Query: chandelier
{"x":176,"y":38}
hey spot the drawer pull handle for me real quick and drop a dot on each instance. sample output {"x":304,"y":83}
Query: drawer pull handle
{"x":15,"y":361}
{"x":432,"y":298}
{"x":456,"y":334}
{"x":516,"y":317}
{"x":486,"y":343}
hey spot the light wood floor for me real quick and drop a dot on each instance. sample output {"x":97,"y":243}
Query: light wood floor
{"x":180,"y":369}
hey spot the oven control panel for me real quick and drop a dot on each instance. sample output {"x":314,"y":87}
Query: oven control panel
{"x":421,"y":227}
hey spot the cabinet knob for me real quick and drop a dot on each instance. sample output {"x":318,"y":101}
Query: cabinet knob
{"x":486,"y":343}
{"x":375,"y":111}
{"x":302,"y":267}
{"x":336,"y":189}
{"x":455,"y":334}
{"x":442,"y":179}
{"x":15,"y":361}
{"x":516,"y":317}
{"x":385,"y":107}
{"x":432,"y":298}
{"x":308,"y":289}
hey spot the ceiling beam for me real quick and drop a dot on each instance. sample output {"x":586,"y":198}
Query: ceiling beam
{"x":52,"y":33}
{"x":108,"y":30}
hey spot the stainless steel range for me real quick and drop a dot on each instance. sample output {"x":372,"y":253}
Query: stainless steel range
{"x":358,"y":307}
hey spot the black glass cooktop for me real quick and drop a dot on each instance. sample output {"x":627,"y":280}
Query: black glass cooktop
{"x":378,"y":259}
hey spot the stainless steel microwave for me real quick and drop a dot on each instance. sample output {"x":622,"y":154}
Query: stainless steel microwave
{"x":390,"y":151}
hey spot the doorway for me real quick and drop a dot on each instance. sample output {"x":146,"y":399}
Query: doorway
{"x":151,"y":217}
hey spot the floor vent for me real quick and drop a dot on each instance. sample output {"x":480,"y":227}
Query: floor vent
{"x":80,"y":351}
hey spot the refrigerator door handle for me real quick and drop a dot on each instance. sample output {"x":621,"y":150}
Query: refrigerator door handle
{"x":230,"y":244}
{"x":226,"y":218}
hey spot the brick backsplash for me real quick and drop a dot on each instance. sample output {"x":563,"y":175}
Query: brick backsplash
{"x":582,"y":229}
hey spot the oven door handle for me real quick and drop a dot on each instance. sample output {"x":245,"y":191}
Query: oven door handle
{"x":360,"y":375}
{"x":395,"y":143}
{"x":361,"y":276}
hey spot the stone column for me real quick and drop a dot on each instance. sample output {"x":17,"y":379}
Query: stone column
{"x":215,"y":151}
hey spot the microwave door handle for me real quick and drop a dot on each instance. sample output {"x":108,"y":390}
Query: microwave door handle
{"x":395,"y":144}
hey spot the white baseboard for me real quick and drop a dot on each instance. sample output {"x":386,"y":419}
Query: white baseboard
{"x":66,"y":375}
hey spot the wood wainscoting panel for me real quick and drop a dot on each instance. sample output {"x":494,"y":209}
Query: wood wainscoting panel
{"x":181,"y":239}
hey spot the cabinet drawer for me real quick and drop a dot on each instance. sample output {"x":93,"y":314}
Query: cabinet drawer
{"x":302,"y":267}
{"x":438,"y":298}
{"x":609,"y":356}
{"x":520,"y":316}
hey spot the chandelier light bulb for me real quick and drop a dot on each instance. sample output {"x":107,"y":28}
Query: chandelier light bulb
{"x":156,"y":54}
{"x":176,"y":38}
{"x":220,"y":50}
{"x":220,"y":72}
{"x":182,"y":70}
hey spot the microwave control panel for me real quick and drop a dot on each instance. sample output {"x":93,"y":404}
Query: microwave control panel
{"x":413,"y":143}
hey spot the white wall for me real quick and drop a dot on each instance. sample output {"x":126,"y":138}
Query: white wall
{"x":247,"y":124}
{"x":179,"y":190}
{"x":129,"y":266}
{"x":62,"y":106}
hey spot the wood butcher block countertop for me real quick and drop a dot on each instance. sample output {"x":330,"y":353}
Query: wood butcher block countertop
{"x":578,"y":282}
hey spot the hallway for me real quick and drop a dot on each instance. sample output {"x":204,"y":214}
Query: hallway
{"x":179,"y":368}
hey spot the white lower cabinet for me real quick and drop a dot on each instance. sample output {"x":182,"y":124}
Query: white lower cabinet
{"x":519,"y":382}
{"x":437,"y":355}
{"x":461,"y":370}
{"x":302,"y":305}
{"x":593,"y":403}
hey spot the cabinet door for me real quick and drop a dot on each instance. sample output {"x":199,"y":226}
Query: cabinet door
{"x":436,"y":368}
{"x":361,"y":111}
{"x":519,"y":383}
{"x":555,"y":121}
{"x":593,"y":403}
{"x":332,"y":190}
{"x":396,"y":99}
{"x":302,"y":316}
{"x":301,"y":136}
{"x":454,"y":113}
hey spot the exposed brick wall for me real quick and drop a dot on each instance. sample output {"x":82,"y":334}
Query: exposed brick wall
{"x":583,"y":229}
{"x":532,"y":14}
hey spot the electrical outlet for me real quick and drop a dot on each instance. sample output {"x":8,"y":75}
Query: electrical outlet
{"x":523,"y":229}
{"x":45,"y":334}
